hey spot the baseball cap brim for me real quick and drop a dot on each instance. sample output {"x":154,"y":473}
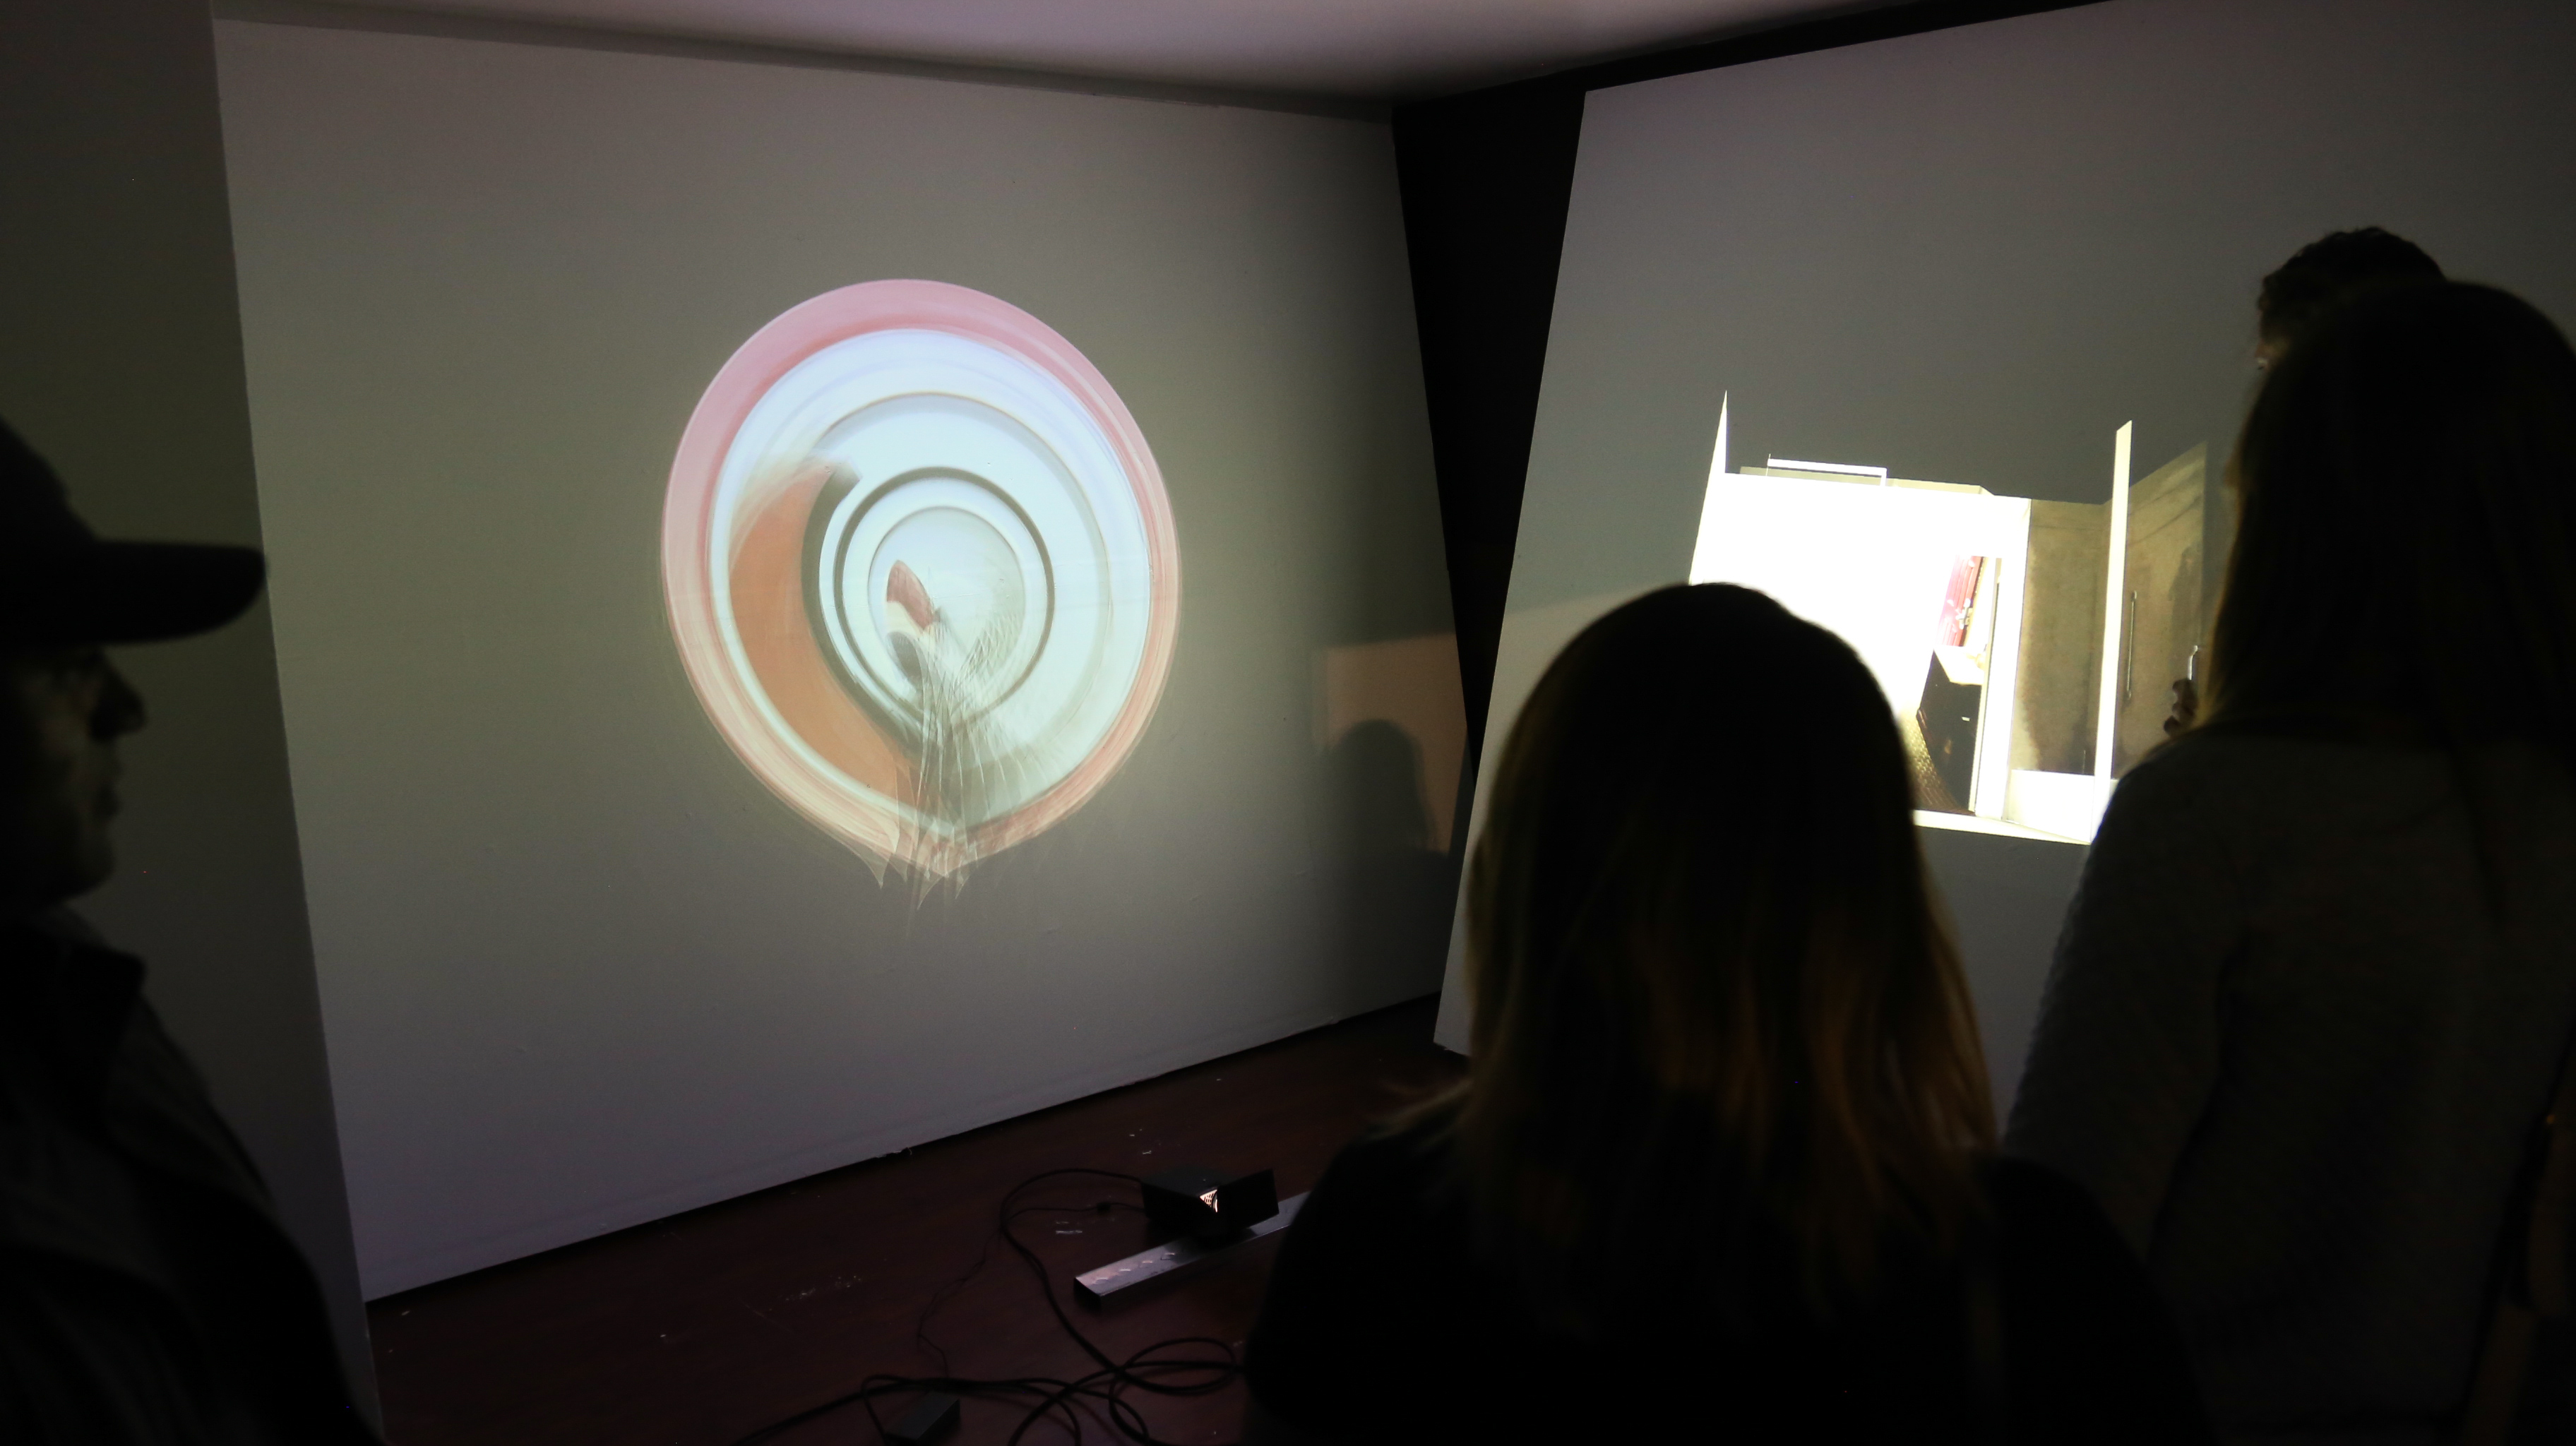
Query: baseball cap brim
{"x":137,"y":592}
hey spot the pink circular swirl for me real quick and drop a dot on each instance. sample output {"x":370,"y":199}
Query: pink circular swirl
{"x":760,"y":658}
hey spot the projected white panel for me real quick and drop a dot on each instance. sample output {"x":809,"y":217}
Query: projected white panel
{"x":1876,"y":565}
{"x":1934,"y":585}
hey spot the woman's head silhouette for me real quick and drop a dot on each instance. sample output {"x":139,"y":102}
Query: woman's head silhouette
{"x":1708,"y":974}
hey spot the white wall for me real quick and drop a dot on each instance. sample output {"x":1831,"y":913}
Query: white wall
{"x":579,"y":968}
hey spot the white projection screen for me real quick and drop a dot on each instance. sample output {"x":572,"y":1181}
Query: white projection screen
{"x":818,"y":610}
{"x":1944,"y":341}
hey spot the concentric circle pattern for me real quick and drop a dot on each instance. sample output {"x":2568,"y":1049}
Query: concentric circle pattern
{"x":921,"y":569}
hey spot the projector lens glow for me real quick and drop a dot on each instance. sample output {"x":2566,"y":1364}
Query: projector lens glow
{"x":921,"y":569}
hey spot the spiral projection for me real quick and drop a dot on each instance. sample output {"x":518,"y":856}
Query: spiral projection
{"x":921,"y":570}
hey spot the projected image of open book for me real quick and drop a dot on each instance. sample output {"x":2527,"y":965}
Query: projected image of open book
{"x":2027,"y":647}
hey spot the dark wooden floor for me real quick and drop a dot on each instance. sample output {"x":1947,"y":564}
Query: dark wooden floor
{"x":695,"y":1330}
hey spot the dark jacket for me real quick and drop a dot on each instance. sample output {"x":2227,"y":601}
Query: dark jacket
{"x":147,"y":1293}
{"x":1381,"y":1325}
{"x":2308,"y":1004}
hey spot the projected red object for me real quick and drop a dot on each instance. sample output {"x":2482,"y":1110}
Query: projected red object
{"x":921,"y":570}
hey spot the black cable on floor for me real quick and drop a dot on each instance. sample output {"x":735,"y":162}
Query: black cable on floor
{"x":1148,"y":1369}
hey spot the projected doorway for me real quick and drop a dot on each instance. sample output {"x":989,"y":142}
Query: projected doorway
{"x":2027,"y":647}
{"x":921,"y":569}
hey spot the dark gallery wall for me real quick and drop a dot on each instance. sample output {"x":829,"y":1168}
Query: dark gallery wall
{"x":120,"y":360}
{"x":1484,"y":180}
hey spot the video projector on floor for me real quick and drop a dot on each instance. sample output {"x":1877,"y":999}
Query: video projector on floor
{"x":1195,"y":1200}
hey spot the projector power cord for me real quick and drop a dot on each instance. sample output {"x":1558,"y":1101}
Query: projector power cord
{"x":1181,"y":1366}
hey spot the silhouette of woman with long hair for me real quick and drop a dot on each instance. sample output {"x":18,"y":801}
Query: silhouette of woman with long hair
{"x":1721,"y":1164}
{"x":2313,"y":990}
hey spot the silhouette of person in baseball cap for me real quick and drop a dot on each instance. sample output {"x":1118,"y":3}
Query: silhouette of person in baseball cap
{"x":147,"y":1292}
{"x":60,"y":584}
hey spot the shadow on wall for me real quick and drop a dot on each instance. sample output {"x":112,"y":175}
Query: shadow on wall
{"x":1411,"y":683}
{"x":1392,"y":724}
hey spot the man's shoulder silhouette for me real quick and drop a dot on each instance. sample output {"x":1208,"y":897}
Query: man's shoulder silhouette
{"x":147,"y":1291}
